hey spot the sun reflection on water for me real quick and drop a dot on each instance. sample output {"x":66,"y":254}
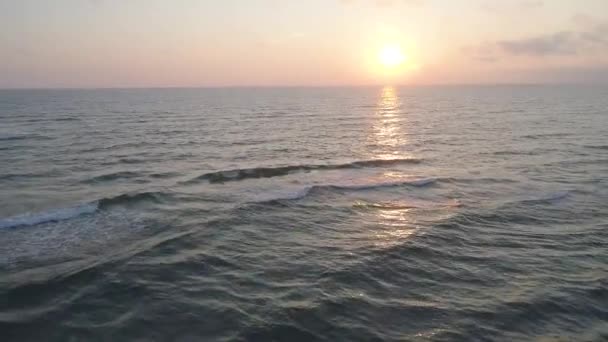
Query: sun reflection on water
{"x":400,"y":219}
{"x":394,"y":222}
{"x":388,"y":137}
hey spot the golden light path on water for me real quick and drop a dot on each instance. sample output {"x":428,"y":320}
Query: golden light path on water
{"x":397,"y":217}
{"x":388,"y":134}
{"x":394,"y":219}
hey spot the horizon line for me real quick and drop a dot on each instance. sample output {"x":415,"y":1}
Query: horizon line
{"x":309,"y":86}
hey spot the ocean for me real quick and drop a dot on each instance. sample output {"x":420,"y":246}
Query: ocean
{"x":435,"y":213}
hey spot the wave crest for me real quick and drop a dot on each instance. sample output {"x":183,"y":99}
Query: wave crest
{"x":113,"y":176}
{"x":61,"y":214}
{"x":549,"y":198}
{"x":268,"y":172}
{"x":302,"y":193}
{"x":128,"y":199}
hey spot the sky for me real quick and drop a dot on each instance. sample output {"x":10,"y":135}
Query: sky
{"x":208,"y":43}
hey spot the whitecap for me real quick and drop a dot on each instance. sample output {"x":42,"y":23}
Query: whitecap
{"x":30,"y":219}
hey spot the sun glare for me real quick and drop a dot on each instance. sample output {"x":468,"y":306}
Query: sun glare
{"x":391,"y":56}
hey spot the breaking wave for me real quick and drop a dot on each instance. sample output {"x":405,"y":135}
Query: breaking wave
{"x":61,"y":214}
{"x":268,"y":172}
{"x":113,"y":176}
{"x":304,"y":192}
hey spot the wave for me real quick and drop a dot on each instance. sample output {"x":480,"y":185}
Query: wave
{"x":113,"y":176}
{"x":13,"y":176}
{"x":549,"y":198}
{"x":385,"y":205}
{"x":49,"y":216}
{"x":67,"y":119}
{"x":546,"y":135}
{"x":128,"y":175}
{"x":304,"y":192}
{"x":131,"y":161}
{"x":413,"y":204}
{"x":129,"y":199}
{"x":480,"y":180}
{"x":163,"y":175}
{"x":62,"y":214}
{"x":268,"y":172}
{"x":290,"y":195}
{"x":67,"y":213}
{"x":597,"y":147}
{"x":515,"y":153}
{"x":417,"y":182}
{"x":13,"y":137}
{"x":542,"y":210}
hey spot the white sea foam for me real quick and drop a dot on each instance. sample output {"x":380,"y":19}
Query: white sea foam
{"x":373,"y":185}
{"x":298,"y":194}
{"x":61,"y":214}
{"x":282,"y":194}
{"x":422,"y":182}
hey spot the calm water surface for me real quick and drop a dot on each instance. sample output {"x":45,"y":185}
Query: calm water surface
{"x":355,"y":214}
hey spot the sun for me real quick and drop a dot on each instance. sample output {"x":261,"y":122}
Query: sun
{"x":391,"y":56}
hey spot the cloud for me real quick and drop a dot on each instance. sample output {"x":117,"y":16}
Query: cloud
{"x":590,"y":40}
{"x":559,"y":43}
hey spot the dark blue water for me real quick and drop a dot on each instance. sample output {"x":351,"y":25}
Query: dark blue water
{"x":335,"y":214}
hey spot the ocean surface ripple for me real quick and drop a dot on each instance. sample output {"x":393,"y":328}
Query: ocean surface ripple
{"x":304,"y":214}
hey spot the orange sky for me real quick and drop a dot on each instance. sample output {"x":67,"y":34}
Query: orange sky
{"x":158,"y":43}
